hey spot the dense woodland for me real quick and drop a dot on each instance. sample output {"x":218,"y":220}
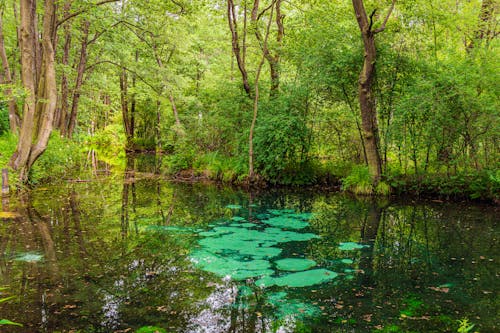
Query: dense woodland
{"x":398,"y":96}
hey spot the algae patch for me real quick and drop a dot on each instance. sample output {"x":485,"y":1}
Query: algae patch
{"x":292,"y":264}
{"x":301,"y":279}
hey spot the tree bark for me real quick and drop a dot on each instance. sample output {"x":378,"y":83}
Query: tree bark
{"x":232,"y":19}
{"x":366,"y":98}
{"x":79,"y":79}
{"x":61,"y":119}
{"x":272,"y":59}
{"x":124,"y":104}
{"x":40,"y":87}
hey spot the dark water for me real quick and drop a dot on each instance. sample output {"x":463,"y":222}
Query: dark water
{"x":115,"y":256}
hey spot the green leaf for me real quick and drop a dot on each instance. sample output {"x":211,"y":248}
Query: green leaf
{"x":8,"y":322}
{"x":6,"y":299}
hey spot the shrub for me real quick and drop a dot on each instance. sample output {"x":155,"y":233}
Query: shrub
{"x":359,"y":181}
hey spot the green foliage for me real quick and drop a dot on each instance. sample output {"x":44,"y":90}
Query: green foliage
{"x":480,"y":185}
{"x":63,"y":159}
{"x":151,"y":329}
{"x":281,"y":143}
{"x":6,"y":299}
{"x":8,"y":144}
{"x":223,"y":168}
{"x":8,"y":322}
{"x":358,"y":181}
{"x":465,"y":326}
{"x":4,"y":119}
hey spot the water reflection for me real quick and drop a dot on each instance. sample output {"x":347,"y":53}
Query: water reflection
{"x":117,"y":255}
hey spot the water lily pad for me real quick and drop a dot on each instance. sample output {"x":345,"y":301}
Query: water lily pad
{"x":233,"y":206}
{"x":237,"y":218}
{"x":300,"y":279}
{"x":29,"y":257}
{"x":350,"y":246}
{"x":347,"y":261}
{"x":294,"y":264}
{"x":263,"y":216}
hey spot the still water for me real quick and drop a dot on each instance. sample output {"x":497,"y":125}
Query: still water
{"x":146,"y":255}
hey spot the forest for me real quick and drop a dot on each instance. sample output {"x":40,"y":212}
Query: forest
{"x":249,"y":166}
{"x":377,"y":96}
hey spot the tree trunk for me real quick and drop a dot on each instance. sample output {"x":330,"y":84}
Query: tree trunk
{"x":124,"y":104}
{"x":232,"y":19}
{"x":40,"y":87}
{"x":13,"y":114}
{"x":251,"y":172}
{"x":273,"y":60}
{"x":366,"y":99}
{"x":79,"y":79}
{"x":61,"y":119}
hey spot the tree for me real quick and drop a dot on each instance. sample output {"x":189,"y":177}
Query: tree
{"x":365,"y":83}
{"x":39,"y":81}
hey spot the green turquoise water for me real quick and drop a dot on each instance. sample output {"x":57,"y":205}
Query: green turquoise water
{"x":129,"y":255}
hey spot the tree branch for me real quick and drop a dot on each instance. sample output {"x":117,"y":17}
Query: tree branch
{"x":81,"y":11}
{"x":156,"y":90}
{"x":382,"y":27}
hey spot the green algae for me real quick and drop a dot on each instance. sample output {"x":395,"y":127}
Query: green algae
{"x":227,"y":266}
{"x":263,"y":216}
{"x":294,"y":264}
{"x":286,"y":222}
{"x":243,"y":225}
{"x":300,"y":279}
{"x":350,"y":246}
{"x":281,"y":211}
{"x":233,"y":206}
{"x":245,"y":291}
{"x":170,"y":229}
{"x":290,"y":307}
{"x":29,"y":257}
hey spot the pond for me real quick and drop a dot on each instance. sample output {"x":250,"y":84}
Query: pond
{"x":146,"y":255}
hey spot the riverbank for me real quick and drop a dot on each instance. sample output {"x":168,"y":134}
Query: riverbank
{"x":66,"y":160}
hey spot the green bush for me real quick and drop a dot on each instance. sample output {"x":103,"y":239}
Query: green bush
{"x":63,"y":158}
{"x":8,"y":144}
{"x":358,"y":181}
{"x":4,"y":119}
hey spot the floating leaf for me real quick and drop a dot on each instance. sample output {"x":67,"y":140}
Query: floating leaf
{"x":8,"y":322}
{"x":237,"y":218}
